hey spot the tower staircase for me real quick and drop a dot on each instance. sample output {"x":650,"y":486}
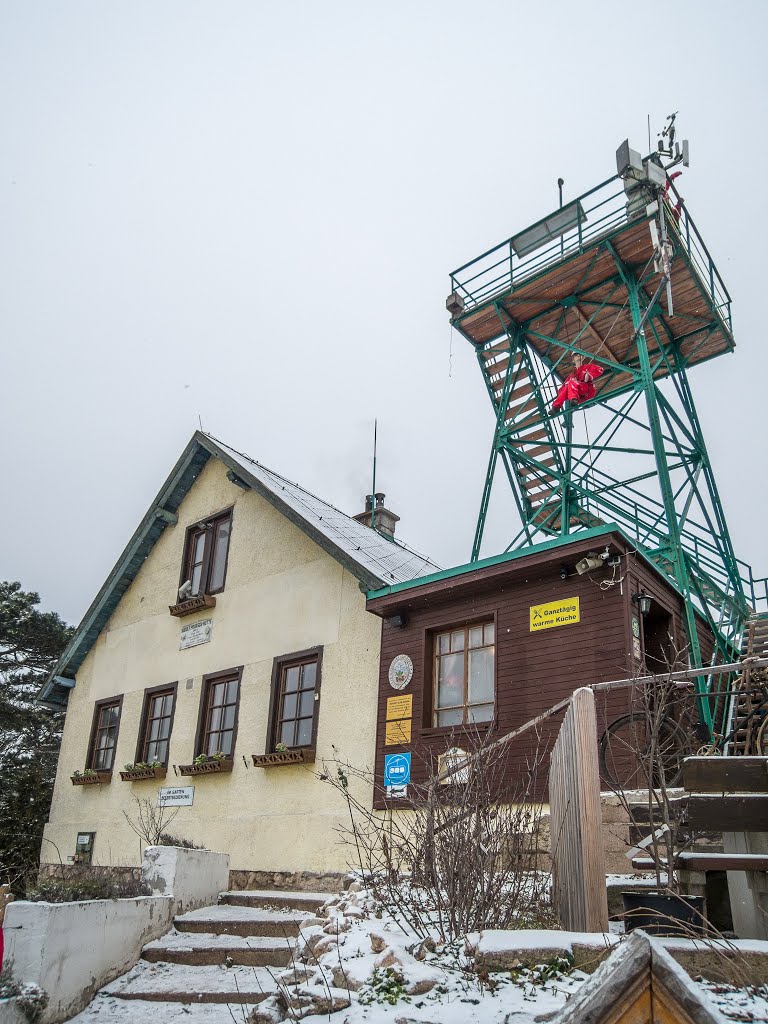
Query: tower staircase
{"x":750,"y":700}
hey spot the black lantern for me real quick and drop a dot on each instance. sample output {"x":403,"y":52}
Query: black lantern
{"x":643,"y":602}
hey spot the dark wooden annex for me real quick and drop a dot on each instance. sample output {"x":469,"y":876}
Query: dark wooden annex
{"x":532,"y":655}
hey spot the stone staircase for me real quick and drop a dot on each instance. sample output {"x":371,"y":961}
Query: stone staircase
{"x":225,"y":954}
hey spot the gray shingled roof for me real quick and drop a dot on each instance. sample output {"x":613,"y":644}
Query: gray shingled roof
{"x":390,"y":561}
{"x":372,"y":559}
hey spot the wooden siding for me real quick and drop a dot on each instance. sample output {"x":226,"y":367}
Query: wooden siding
{"x":533,"y":670}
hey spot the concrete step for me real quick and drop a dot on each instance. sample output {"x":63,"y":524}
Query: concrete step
{"x":106,"y":1009}
{"x":205,"y":948}
{"x":276,"y":899}
{"x":182,"y":983}
{"x":237,"y":920}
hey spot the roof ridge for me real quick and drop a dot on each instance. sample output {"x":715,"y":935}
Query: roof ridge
{"x":316,"y":497}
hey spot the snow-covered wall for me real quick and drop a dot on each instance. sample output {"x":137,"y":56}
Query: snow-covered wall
{"x":193,"y":877}
{"x":72,"y":949}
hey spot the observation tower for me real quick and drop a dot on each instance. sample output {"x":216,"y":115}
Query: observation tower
{"x":618,"y":287}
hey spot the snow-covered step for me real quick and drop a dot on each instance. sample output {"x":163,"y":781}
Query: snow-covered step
{"x":233,"y":920}
{"x":276,"y":898}
{"x":105,"y":1009}
{"x":204,"y":948}
{"x":182,"y":983}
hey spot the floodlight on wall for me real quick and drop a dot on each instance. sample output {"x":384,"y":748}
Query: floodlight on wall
{"x":548,"y":229}
{"x":643,"y":602}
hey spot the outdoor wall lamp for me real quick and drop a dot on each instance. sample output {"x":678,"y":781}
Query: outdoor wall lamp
{"x":643,"y":602}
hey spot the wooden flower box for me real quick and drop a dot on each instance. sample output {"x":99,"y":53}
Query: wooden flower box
{"x":91,"y":780}
{"x":138,"y":774}
{"x":192,"y":604}
{"x":206,"y":768}
{"x":283,"y":757}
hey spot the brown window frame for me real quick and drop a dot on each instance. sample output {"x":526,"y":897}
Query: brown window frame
{"x":209,"y":681}
{"x":98,"y":707}
{"x":430,"y":705}
{"x":207,"y":529}
{"x":149,"y":694}
{"x":313,"y":655}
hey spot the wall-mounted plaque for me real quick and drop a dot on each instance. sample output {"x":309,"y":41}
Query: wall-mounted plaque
{"x":196,"y":633}
{"x":400,"y":672}
{"x":176,"y":796}
{"x":400,"y":707}
{"x":397,"y":734}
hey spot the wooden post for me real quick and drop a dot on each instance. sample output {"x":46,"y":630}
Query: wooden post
{"x":576,"y":823}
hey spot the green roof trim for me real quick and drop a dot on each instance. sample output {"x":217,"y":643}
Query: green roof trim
{"x":509,"y":557}
{"x":162,"y":512}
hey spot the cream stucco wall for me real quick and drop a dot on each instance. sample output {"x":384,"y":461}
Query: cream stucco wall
{"x":283,"y":594}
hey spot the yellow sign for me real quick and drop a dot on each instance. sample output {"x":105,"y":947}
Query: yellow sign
{"x":400,"y":707}
{"x":555,"y":613}
{"x":396,"y":733}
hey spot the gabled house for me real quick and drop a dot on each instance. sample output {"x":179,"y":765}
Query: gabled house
{"x":227,"y":654}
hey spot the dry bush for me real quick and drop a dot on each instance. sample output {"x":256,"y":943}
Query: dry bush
{"x":151,"y":820}
{"x":461,"y":853}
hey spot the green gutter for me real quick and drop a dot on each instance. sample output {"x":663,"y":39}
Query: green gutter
{"x":593,"y":533}
{"x":512,"y":556}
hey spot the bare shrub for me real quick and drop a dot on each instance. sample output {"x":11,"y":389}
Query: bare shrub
{"x":461,"y":854}
{"x":150,"y":820}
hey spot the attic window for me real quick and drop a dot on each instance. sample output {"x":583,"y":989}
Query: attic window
{"x":205,"y":556}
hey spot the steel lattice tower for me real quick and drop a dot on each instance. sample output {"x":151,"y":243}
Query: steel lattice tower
{"x":621,"y":278}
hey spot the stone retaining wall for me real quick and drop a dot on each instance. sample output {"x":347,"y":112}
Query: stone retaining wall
{"x":305,"y":881}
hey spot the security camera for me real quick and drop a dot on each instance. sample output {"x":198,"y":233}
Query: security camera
{"x":185,"y":590}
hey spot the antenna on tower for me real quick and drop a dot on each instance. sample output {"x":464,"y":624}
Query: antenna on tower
{"x":667,"y":147}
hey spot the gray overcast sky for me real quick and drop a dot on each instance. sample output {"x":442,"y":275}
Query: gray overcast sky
{"x":249,"y":211}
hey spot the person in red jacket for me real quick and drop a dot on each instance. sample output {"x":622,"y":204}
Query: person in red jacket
{"x":577,"y":386}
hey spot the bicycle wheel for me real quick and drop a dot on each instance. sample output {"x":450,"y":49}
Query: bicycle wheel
{"x":625,"y":753}
{"x":761,"y":741}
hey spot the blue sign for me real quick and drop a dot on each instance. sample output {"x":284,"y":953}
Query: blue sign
{"x":397,"y":769}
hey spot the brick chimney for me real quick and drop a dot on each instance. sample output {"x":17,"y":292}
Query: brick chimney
{"x":384,"y":521}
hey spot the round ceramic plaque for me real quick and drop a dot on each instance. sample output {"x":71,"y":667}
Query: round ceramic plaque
{"x":400,"y":672}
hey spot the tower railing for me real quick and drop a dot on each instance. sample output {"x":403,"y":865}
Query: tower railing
{"x":603,"y":211}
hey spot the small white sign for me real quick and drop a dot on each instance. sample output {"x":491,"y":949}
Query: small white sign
{"x":397,"y":792}
{"x":176,"y":796}
{"x":196,"y":633}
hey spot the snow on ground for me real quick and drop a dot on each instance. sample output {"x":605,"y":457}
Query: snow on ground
{"x":738,"y":1004}
{"x":636,"y":879}
{"x":368,"y":960}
